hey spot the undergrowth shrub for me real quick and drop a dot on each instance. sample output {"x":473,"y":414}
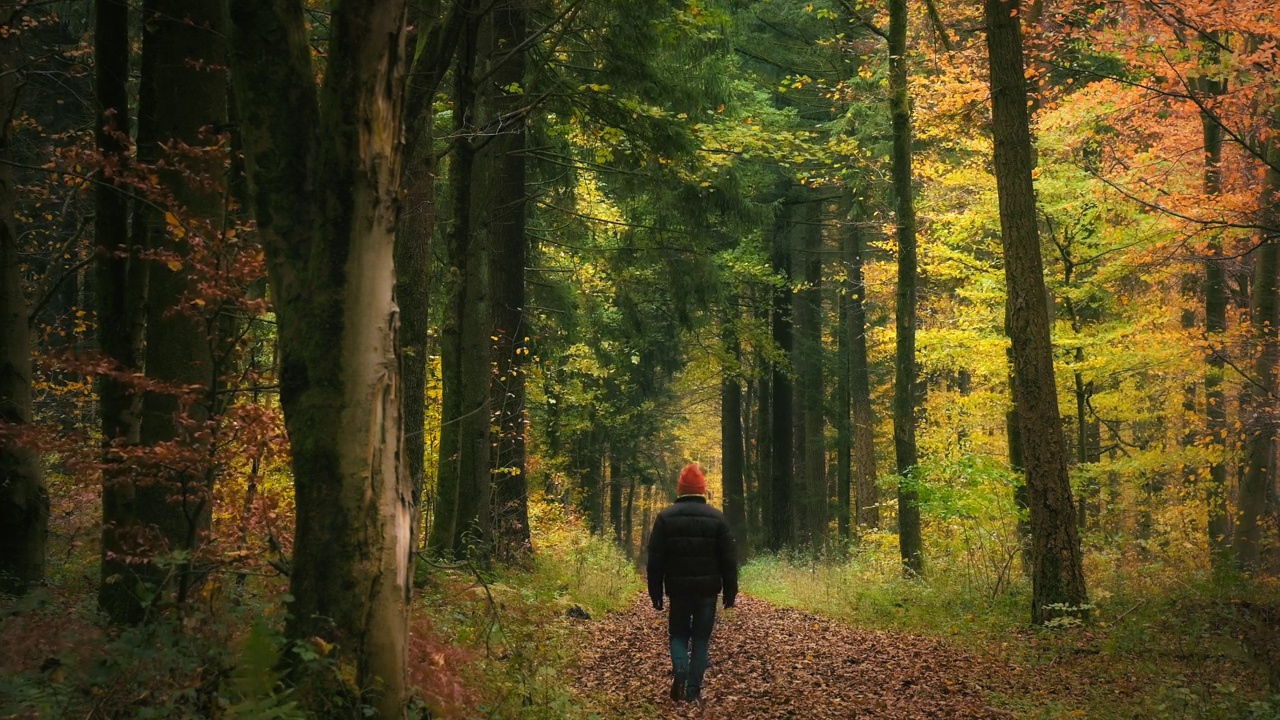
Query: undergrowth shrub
{"x":210,"y":662}
{"x":499,"y":643}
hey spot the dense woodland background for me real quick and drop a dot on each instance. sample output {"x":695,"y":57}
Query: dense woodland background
{"x":350,"y":347}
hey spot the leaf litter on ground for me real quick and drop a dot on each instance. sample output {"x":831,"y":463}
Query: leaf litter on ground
{"x":770,"y":662}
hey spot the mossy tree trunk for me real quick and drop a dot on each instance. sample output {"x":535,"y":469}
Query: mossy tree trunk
{"x":24,"y":498}
{"x":324,"y":173}
{"x":1058,"y":585}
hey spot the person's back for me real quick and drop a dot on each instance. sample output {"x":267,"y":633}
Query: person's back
{"x":692,"y":556}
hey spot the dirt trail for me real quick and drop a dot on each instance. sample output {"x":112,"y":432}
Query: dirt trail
{"x":770,"y":662}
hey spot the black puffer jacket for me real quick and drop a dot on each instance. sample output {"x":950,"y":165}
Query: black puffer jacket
{"x":692,"y":552}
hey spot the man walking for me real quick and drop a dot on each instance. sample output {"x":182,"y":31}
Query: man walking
{"x":692,"y":555}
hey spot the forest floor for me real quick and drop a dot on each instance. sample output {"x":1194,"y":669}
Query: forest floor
{"x":771,"y":662}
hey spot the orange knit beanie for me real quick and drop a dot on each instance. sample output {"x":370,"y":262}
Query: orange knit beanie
{"x":691,"y":481}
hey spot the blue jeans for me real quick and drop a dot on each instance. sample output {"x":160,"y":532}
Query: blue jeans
{"x":691,"y":620}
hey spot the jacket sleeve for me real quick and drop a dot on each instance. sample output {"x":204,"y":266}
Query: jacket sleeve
{"x":657,"y":563}
{"x":727,"y":552}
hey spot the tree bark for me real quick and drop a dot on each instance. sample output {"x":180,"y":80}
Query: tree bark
{"x":183,"y":92}
{"x":455,"y":472}
{"x":910,"y":542}
{"x":780,"y":403}
{"x":120,"y":286}
{"x":503,"y":199}
{"x":417,"y":229}
{"x":731,"y":443}
{"x":1215,"y":325}
{"x":764,"y":447}
{"x":628,"y":538}
{"x":1258,"y":404}
{"x":24,"y":498}
{"x":1058,"y":585}
{"x":864,"y":450}
{"x":480,"y":175}
{"x":324,"y":176}
{"x":807,"y":360}
{"x":844,"y":425}
{"x":615,"y":495}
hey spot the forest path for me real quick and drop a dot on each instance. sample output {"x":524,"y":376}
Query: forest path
{"x":771,"y":662}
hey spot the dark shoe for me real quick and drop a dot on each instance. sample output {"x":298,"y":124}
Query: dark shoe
{"x":694,"y":695}
{"x":677,"y":690}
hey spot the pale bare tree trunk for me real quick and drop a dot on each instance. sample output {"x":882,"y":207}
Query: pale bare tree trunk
{"x":324,"y":174}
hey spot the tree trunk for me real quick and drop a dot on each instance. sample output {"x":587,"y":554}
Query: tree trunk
{"x":413,"y":282}
{"x":417,"y":231}
{"x":844,"y":424}
{"x":628,"y":538}
{"x":416,"y":234}
{"x":476,"y":51}
{"x":864,"y":450}
{"x":807,"y":360}
{"x":183,"y":91}
{"x":461,"y":287}
{"x":615,"y":496}
{"x":750,"y":458}
{"x":646,"y":502}
{"x":502,"y":227}
{"x":599,"y":462}
{"x":324,"y":175}
{"x":764,"y":450}
{"x":24,"y":498}
{"x":910,"y":542}
{"x":1215,"y":325}
{"x":1258,"y":403}
{"x":120,"y":287}
{"x":780,"y":424}
{"x":731,"y":446}
{"x":1057,"y":575}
